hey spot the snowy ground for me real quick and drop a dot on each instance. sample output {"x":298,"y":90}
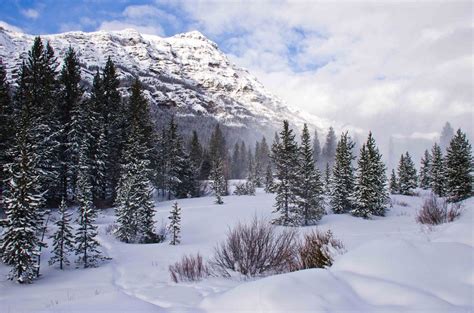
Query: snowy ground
{"x":392,"y":265}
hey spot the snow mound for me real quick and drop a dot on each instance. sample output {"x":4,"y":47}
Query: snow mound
{"x":380,"y":276}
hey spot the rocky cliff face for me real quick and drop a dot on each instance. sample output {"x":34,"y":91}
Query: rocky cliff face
{"x":185,"y":75}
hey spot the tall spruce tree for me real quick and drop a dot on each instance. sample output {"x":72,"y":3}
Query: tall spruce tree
{"x":63,"y":239}
{"x":459,"y":168}
{"x":218,"y":181}
{"x":85,"y":237}
{"x":329,"y":150}
{"x":370,"y":191}
{"x":269,"y":181}
{"x":437,"y":173}
{"x":342,"y":191}
{"x":20,"y":244}
{"x":407,"y":178}
{"x":285,"y":159}
{"x":308,"y":186}
{"x":7,"y":130}
{"x":393,"y":185}
{"x":425,"y":169}
{"x":236,"y":167}
{"x":174,"y":226}
{"x":327,"y":179}
{"x":70,"y":122}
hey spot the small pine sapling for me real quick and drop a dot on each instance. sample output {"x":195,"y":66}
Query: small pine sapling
{"x":174,"y":227}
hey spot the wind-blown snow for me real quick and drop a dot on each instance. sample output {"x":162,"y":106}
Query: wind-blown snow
{"x":392,"y":264}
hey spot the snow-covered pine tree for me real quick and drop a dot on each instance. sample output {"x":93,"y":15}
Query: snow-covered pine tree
{"x":393,"y":186}
{"x":459,"y":168}
{"x":425,"y":169}
{"x":174,"y":226}
{"x":285,"y":159}
{"x":406,"y":175}
{"x":447,"y":133}
{"x":329,"y":150}
{"x":86,"y":244}
{"x":269,"y":179}
{"x":316,"y":150}
{"x":327,"y":179}
{"x":236,"y":166}
{"x":7,"y":130}
{"x":370,"y":191}
{"x":257,"y":167}
{"x":437,"y":173}
{"x":218,"y":181}
{"x":63,"y":239}
{"x":71,"y":123}
{"x":342,"y":189}
{"x":308,"y":187}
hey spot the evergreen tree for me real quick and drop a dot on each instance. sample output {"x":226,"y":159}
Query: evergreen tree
{"x":437,"y":173}
{"x":175,"y":224}
{"x":446,"y":135}
{"x":342,"y":192}
{"x":217,"y":145}
{"x":370,"y":190}
{"x":243,"y":160}
{"x":406,"y":175}
{"x":20,"y":244}
{"x":327,"y":179}
{"x":195,"y":152}
{"x":393,"y":183}
{"x":236,"y":164}
{"x":459,"y":168}
{"x":219,"y":183}
{"x":70,"y":122}
{"x":329,"y":150}
{"x":85,"y":237}
{"x":316,"y":149}
{"x":285,"y":158}
{"x":205,"y":170}
{"x":63,"y":239}
{"x":269,"y":179}
{"x":308,"y":186}
{"x":7,"y":130}
{"x":425,"y":169}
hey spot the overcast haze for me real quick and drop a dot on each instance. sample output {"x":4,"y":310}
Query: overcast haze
{"x":400,"y":69}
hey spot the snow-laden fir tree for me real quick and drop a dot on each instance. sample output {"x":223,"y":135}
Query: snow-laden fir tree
{"x":308,"y":187}
{"x":437,"y":172}
{"x":174,"y":226}
{"x":327,"y":179}
{"x":342,"y":191}
{"x":370,"y":190}
{"x":86,"y":244}
{"x":424,"y":177}
{"x":218,"y":181}
{"x":134,"y":206}
{"x":407,"y":178}
{"x":459,"y":168}
{"x":63,"y":239}
{"x":20,"y":244}
{"x":7,"y":130}
{"x":269,"y":179}
{"x":393,"y":185}
{"x":285,"y":159}
{"x":328,"y":153}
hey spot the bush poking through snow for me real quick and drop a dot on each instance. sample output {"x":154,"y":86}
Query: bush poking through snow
{"x":245,"y":189}
{"x":256,"y":249}
{"x":319,"y":249}
{"x":189,"y":268}
{"x":437,"y":211}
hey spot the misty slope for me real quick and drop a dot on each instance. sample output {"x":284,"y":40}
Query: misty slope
{"x":186,"y":75}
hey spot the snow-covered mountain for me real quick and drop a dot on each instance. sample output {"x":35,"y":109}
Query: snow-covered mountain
{"x":185,"y":75}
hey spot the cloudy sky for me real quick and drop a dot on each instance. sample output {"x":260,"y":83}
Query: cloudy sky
{"x":402,"y":68}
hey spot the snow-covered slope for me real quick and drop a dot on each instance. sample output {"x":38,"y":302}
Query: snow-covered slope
{"x":186,"y":75}
{"x":392,"y":265}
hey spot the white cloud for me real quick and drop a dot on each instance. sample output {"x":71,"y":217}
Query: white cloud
{"x":30,"y":13}
{"x":119,"y":25}
{"x":393,"y":67}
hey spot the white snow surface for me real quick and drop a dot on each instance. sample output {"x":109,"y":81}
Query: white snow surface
{"x":392,"y":264}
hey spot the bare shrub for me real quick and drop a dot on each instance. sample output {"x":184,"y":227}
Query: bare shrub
{"x":318,"y":250}
{"x":189,"y":268}
{"x":256,"y":249}
{"x":436,"y":211}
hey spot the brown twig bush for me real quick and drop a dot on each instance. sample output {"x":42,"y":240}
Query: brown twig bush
{"x":436,"y":211}
{"x":318,"y":250}
{"x":256,"y":249}
{"x":189,"y":268}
